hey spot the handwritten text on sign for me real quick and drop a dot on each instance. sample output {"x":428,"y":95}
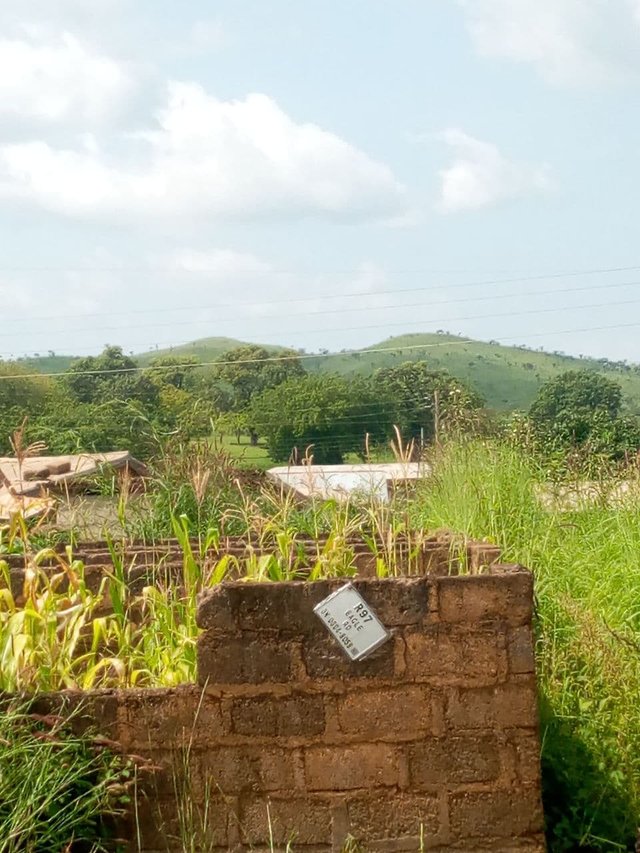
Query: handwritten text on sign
{"x":352,"y":622}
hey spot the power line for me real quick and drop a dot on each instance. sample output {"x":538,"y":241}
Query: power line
{"x":317,"y":356}
{"x":385,"y":325}
{"x":342,"y":310}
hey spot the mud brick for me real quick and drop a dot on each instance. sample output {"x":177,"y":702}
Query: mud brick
{"x":527,"y":751}
{"x":97,"y":710}
{"x":521,"y":653}
{"x":236,"y":769}
{"x":438,"y":559}
{"x":375,"y":817}
{"x":288,"y":607}
{"x":300,"y":822}
{"x":278,"y":716}
{"x":159,"y":825}
{"x":340,"y":768}
{"x":396,"y":601}
{"x":453,"y":760}
{"x":497,"y":813}
{"x":503,"y":595}
{"x":249,"y":660}
{"x":481,"y":554}
{"x":218,"y":609}
{"x":386,"y":713}
{"x":505,"y":705}
{"x":166,"y":718}
{"x":446,"y":654}
{"x":324,"y":659}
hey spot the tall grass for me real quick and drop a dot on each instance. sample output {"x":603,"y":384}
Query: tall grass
{"x":58,"y":790}
{"x":587,"y":569}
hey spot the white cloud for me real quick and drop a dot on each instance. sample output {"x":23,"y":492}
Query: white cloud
{"x":481,"y":175}
{"x":206,"y":157}
{"x":60,"y":80}
{"x":569,"y":42}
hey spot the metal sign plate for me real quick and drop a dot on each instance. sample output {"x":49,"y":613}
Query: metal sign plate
{"x":352,"y":622}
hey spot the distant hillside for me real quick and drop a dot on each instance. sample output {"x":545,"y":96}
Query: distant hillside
{"x":48,"y":363}
{"x":204,"y":349}
{"x":507,"y":377}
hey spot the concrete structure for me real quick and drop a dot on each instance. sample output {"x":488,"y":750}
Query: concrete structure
{"x":37,"y":475}
{"x":344,"y":481}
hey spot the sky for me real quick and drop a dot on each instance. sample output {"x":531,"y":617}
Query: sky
{"x":321,"y":175}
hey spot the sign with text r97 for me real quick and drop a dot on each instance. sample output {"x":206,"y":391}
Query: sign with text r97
{"x":352,"y":622}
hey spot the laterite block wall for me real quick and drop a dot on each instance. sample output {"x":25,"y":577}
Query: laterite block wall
{"x":431,"y":743}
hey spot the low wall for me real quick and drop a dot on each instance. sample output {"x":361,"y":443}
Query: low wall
{"x":162,"y":562}
{"x":431,"y":743}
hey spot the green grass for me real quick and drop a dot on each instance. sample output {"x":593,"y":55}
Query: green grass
{"x":587,"y":576}
{"x":56,"y":787}
{"x":587,"y":572}
{"x":245,"y":455}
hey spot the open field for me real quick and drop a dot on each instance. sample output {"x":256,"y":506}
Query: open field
{"x":245,"y":454}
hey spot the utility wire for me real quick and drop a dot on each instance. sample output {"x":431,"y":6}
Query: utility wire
{"x":342,"y":310}
{"x":317,"y":356}
{"x":386,"y":325}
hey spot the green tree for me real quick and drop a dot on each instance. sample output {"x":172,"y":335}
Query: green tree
{"x":426,"y":399}
{"x":232,"y":422}
{"x":176,"y":370}
{"x":582,"y":409}
{"x":250,"y":370}
{"x":327,"y":414}
{"x":112,"y":375}
{"x":576,"y":393}
{"x":23,"y":395}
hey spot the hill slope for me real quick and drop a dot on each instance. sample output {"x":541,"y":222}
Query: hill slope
{"x":204,"y":349}
{"x":508,"y":377}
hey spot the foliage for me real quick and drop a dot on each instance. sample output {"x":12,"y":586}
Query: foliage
{"x":236,"y":423}
{"x":424,"y":398}
{"x":581,"y":410}
{"x":109,"y":376}
{"x":250,"y":370}
{"x":576,"y":392}
{"x":588,"y":651}
{"x":584,"y":556}
{"x":175,"y":370}
{"x":328,"y":415}
{"x":57,"y":790}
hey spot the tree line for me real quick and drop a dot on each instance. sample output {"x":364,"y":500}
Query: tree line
{"x":108,"y":402}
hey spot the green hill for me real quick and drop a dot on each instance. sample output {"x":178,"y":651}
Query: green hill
{"x":47,"y":363}
{"x":508,"y":377}
{"x":204,"y":349}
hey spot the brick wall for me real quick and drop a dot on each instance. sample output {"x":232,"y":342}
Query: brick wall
{"x":431,"y":743}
